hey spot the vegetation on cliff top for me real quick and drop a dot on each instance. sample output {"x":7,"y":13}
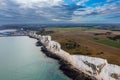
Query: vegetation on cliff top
{"x":75,"y":40}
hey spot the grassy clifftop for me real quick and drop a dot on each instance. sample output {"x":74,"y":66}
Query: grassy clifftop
{"x":77,"y":40}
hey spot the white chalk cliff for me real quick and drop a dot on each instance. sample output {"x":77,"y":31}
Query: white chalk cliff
{"x":92,"y":66}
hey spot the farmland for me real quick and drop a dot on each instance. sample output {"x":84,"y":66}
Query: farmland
{"x":91,"y":42}
{"x":110,"y":43}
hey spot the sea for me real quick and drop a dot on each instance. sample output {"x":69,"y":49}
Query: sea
{"x":21,"y":59}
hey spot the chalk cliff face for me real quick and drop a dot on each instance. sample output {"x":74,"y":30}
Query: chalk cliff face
{"x":91,"y":66}
{"x":97,"y":67}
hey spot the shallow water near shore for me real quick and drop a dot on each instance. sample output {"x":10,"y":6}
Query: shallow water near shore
{"x":20,"y":59}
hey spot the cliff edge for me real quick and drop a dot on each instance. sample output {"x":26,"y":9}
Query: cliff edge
{"x":90,"y":67}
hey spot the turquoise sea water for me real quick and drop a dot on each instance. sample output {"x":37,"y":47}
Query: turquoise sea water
{"x":20,"y":59}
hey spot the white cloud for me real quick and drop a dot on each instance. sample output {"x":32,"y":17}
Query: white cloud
{"x":54,"y":10}
{"x":81,"y":2}
{"x":37,"y":3}
{"x":3,"y":4}
{"x":98,"y":10}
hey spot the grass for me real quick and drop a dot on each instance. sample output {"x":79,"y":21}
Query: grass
{"x":110,"y":43}
{"x":74,"y":41}
{"x":72,"y":28}
{"x":89,"y":28}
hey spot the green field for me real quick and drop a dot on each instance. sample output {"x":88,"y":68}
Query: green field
{"x":110,"y":43}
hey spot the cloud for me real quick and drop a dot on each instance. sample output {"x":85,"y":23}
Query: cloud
{"x":37,"y":3}
{"x":105,"y":9}
{"x":81,"y":2}
{"x":50,"y":10}
{"x":2,"y":4}
{"x":54,"y":10}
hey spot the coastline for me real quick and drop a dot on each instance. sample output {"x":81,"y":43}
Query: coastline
{"x":77,"y":67}
{"x":67,"y":68}
{"x":28,"y":59}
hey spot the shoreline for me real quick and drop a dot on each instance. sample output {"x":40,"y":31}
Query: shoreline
{"x":67,"y":68}
{"x":77,"y":67}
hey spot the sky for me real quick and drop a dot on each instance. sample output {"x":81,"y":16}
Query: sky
{"x":59,"y":11}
